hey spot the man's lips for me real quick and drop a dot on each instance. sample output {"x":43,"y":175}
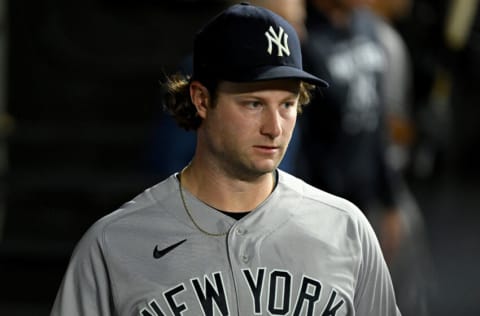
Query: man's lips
{"x":267,"y":148}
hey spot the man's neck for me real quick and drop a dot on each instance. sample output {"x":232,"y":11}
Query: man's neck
{"x":217,"y":189}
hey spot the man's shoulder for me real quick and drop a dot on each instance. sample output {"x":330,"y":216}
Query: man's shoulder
{"x":329,"y":217}
{"x":149,"y":200}
{"x":316,"y":197}
{"x":153,"y":204}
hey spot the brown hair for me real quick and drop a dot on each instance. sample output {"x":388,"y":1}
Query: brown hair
{"x":178,"y":103}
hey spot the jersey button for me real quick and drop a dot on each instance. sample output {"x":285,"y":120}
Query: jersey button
{"x":241,"y":231}
{"x":245,"y":258}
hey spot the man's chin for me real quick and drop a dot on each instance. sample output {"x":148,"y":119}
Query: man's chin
{"x":267,"y":168}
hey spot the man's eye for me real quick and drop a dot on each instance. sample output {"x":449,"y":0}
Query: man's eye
{"x":254,"y":104}
{"x":288,"y":104}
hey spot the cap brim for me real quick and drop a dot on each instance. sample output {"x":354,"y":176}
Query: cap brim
{"x":275,"y":72}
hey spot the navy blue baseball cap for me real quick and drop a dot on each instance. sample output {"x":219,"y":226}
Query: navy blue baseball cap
{"x":247,"y":43}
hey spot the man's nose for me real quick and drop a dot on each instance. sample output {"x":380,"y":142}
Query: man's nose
{"x":271,"y":123}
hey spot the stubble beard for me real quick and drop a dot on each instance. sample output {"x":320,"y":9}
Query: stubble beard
{"x":248,"y":169}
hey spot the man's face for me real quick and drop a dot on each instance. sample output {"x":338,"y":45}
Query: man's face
{"x":248,"y":129}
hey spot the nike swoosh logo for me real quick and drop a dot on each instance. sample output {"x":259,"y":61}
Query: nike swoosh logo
{"x":157,"y":253}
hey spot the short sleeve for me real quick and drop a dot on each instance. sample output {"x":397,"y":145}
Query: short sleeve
{"x":85,"y":289}
{"x":374,"y":295}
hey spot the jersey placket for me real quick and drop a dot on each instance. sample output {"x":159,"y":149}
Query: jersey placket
{"x":240,"y":257}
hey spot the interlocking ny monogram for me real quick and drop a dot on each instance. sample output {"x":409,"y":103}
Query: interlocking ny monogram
{"x":276,"y":39}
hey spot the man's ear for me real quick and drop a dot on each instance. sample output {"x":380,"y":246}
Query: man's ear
{"x":200,"y":98}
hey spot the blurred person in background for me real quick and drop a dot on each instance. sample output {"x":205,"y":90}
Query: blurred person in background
{"x":397,"y":78}
{"x":411,"y":271}
{"x":344,"y":139}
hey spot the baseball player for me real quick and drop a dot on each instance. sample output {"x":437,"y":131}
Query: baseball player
{"x":231,"y":234}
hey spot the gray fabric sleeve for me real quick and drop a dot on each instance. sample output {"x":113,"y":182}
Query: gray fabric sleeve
{"x":85,"y":289}
{"x":374,"y":293}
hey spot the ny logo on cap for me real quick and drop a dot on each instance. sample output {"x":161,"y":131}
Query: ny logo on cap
{"x":274,"y":38}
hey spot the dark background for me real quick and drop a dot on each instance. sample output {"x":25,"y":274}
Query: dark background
{"x":83,"y":101}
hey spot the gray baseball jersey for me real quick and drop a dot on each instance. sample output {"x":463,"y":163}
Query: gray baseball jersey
{"x":301,"y":252}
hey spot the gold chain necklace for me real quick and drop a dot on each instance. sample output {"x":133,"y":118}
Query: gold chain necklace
{"x":187,"y":210}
